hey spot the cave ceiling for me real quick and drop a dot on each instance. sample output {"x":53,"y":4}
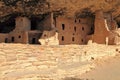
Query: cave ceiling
{"x":68,"y":8}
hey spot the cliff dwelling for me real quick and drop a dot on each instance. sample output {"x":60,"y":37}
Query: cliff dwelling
{"x":100,"y":28}
{"x":55,"y":27}
{"x":74,"y":30}
{"x":59,"y":39}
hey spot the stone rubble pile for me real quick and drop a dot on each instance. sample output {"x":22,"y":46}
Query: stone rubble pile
{"x":35,"y":62}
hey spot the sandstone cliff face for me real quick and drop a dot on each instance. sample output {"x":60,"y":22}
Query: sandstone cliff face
{"x":70,"y":8}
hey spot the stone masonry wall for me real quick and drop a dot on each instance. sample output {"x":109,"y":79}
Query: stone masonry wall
{"x":73,"y":31}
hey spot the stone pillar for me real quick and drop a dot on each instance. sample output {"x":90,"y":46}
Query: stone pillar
{"x":101,"y":28}
{"x":25,"y":38}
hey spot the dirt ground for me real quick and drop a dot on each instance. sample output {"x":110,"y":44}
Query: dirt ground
{"x":64,"y":62}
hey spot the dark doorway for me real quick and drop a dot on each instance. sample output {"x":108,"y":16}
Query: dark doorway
{"x":12,"y":39}
{"x":33,"y":41}
{"x":6,"y":40}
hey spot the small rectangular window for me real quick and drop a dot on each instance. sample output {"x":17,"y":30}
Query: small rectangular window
{"x":75,"y":20}
{"x":63,"y":26}
{"x":75,"y":28}
{"x":62,"y":38}
{"x":19,"y":36}
{"x":79,"y":20}
{"x":73,"y":39}
{"x":82,"y":40}
{"x":83,"y":29}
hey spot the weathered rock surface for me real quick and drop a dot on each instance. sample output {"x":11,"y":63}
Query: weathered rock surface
{"x":70,"y":8}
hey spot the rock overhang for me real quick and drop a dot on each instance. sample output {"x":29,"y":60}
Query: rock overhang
{"x":68,"y":8}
